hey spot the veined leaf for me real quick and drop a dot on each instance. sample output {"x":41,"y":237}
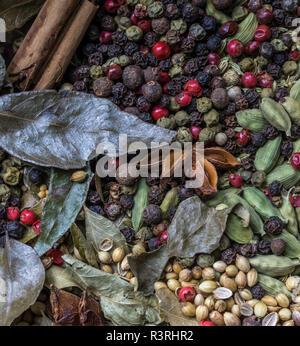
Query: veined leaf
{"x":140,"y":203}
{"x":22,"y":276}
{"x":59,"y":277}
{"x":63,"y":129}
{"x":63,"y":203}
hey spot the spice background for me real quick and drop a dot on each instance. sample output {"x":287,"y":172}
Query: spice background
{"x":78,"y":250}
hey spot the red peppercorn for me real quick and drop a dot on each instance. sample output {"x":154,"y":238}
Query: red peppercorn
{"x":235,"y":48}
{"x":13,"y":213}
{"x":165,"y":90}
{"x":294,"y":55}
{"x":162,"y":238}
{"x":133,"y":18}
{"x":193,"y":88}
{"x":235,"y":180}
{"x":264,"y":16}
{"x":159,"y":112}
{"x":249,"y":80}
{"x":186,"y":294}
{"x":295,"y":200}
{"x":252,"y":48}
{"x":183,"y":99}
{"x":164,"y":77}
{"x":37,"y":227}
{"x":56,"y":256}
{"x":262,"y":33}
{"x":264,"y":80}
{"x":229,"y":29}
{"x":105,"y":36}
{"x":195,"y":131}
{"x":144,"y":25}
{"x":114,"y":72}
{"x":111,"y":6}
{"x":161,"y":50}
{"x":295,"y":161}
{"x":144,"y":49}
{"x":206,"y":324}
{"x":243,"y":137}
{"x":213,"y":58}
{"x":27,"y":217}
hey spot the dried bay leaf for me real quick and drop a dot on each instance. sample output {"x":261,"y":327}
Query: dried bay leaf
{"x":59,"y":277}
{"x":119,"y":302}
{"x":63,"y":203}
{"x":2,"y":71}
{"x":18,"y":12}
{"x":171,"y":309}
{"x":22,"y":276}
{"x":99,"y":227}
{"x":63,"y":129}
{"x":140,"y":203}
{"x":195,"y":228}
{"x":83,"y":246}
{"x":147,"y":268}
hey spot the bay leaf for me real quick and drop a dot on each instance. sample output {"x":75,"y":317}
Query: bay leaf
{"x":63,"y":129}
{"x":140,"y":203}
{"x":119,"y":302}
{"x":18,"y":13}
{"x":59,"y":277}
{"x":195,"y":228}
{"x":22,"y":276}
{"x":171,"y":309}
{"x":2,"y":71}
{"x":28,"y":200}
{"x":83,"y":246}
{"x":63,"y":203}
{"x":99,"y":227}
{"x":147,"y":268}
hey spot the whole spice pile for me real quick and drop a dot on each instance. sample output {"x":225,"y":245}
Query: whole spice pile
{"x":125,"y":250}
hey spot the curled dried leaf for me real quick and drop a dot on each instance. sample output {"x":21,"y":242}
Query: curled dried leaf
{"x":220,"y":158}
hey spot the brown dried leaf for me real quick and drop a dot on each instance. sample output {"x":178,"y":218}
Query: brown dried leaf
{"x":220,"y":158}
{"x":210,"y":180}
{"x":90,"y":312}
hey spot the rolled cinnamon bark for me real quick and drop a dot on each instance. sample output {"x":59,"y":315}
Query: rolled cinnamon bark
{"x":66,"y":48}
{"x":40,"y":40}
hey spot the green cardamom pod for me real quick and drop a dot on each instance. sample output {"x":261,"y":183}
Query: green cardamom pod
{"x":292,"y":244}
{"x":284,"y":173}
{"x":276,"y":115}
{"x":293,"y":108}
{"x":252,"y":119}
{"x":236,"y":232}
{"x":274,"y":265}
{"x":273,"y":286}
{"x":170,"y":201}
{"x":261,"y":203}
{"x":220,"y":196}
{"x":218,"y":15}
{"x":288,"y":212}
{"x":267,"y":155}
{"x":246,"y":29}
{"x":295,"y":91}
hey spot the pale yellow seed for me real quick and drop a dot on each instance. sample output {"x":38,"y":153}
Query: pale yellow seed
{"x":188,"y":309}
{"x":220,"y":266}
{"x":260,"y":309}
{"x":282,"y":300}
{"x":236,"y":310}
{"x":208,"y":273}
{"x":284,"y":314}
{"x":172,"y":275}
{"x":158,"y":285}
{"x":173,"y":284}
{"x":208,"y":286}
{"x":201,"y":313}
{"x":43,"y":187}
{"x":177,"y":267}
{"x":42,"y":194}
{"x":210,"y":303}
{"x":231,"y":270}
{"x":199,"y":299}
{"x":268,"y":300}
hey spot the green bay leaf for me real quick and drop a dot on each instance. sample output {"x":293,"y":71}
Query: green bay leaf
{"x":63,"y":203}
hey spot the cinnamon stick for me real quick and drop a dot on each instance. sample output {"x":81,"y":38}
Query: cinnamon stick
{"x":26,"y":65}
{"x":64,"y":52}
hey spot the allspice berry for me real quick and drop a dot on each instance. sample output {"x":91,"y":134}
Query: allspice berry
{"x":220,"y":98}
{"x":278,"y":246}
{"x":102,"y":87}
{"x":152,"y":91}
{"x":160,"y":25}
{"x":152,"y":214}
{"x":152,"y":74}
{"x":133,"y":77}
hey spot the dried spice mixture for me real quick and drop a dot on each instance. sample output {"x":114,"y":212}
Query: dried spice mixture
{"x":79,"y":250}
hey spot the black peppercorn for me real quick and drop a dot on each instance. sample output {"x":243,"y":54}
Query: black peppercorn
{"x":264,"y":247}
{"x":190,"y":13}
{"x":187,"y":45}
{"x":113,"y":210}
{"x":130,"y":48}
{"x":165,"y":65}
{"x":152,"y":91}
{"x":93,"y":197}
{"x":128,"y":234}
{"x":2,"y":211}
{"x":129,"y":99}
{"x":95,"y":59}
{"x":278,"y":246}
{"x":150,"y":38}
{"x":247,"y":163}
{"x":266,"y":49}
{"x":108,"y":23}
{"x":209,"y":23}
{"x":133,"y":77}
{"x":257,"y":292}
{"x":126,"y":201}
{"x":152,"y":214}
{"x":153,"y":244}
{"x":295,"y":132}
{"x":114,"y":50}
{"x":228,"y":255}
{"x":119,"y":90}
{"x":152,"y":74}
{"x":252,"y":96}
{"x":146,"y":116}
{"x":274,"y":70}
{"x":184,"y":193}
{"x":270,"y":132}
{"x":164,"y":101}
{"x":286,"y":148}
{"x":35,"y":176}
{"x":279,"y":58}
{"x":222,"y":4}
{"x":140,"y":59}
{"x":258,"y":139}
{"x":203,"y":79}
{"x":273,"y":225}
{"x":195,"y":118}
{"x":155,"y":195}
{"x":15,"y":229}
{"x":142,"y":104}
{"x":248,"y":250}
{"x":275,"y":188}
{"x":214,"y":43}
{"x":97,"y":209}
{"x":14,"y":201}
{"x":152,"y":180}
{"x":173,"y":88}
{"x":160,"y":25}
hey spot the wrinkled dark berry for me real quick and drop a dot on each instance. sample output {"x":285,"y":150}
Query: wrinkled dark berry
{"x":257,"y":292}
{"x":275,"y":188}
{"x":126,"y":201}
{"x":264,"y":247}
{"x":270,"y":132}
{"x":129,"y":234}
{"x":113,"y":210}
{"x":35,"y":176}
{"x":130,"y":48}
{"x":228,"y":256}
{"x":248,"y":250}
{"x":153,"y":244}
{"x":214,"y":43}
{"x":247,"y":163}
{"x":295,"y":132}
{"x":155,"y":195}
{"x":278,"y":246}
{"x":273,"y":225}
{"x":145,"y":116}
{"x":2,"y":211}
{"x":15,"y":229}
{"x":93,"y":197}
{"x":184,"y":193}
{"x":258,"y":139}
{"x":152,"y":180}
{"x":97,"y":209}
{"x":209,"y":23}
{"x":286,"y":148}
{"x":152,"y":214}
{"x":14,"y":201}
